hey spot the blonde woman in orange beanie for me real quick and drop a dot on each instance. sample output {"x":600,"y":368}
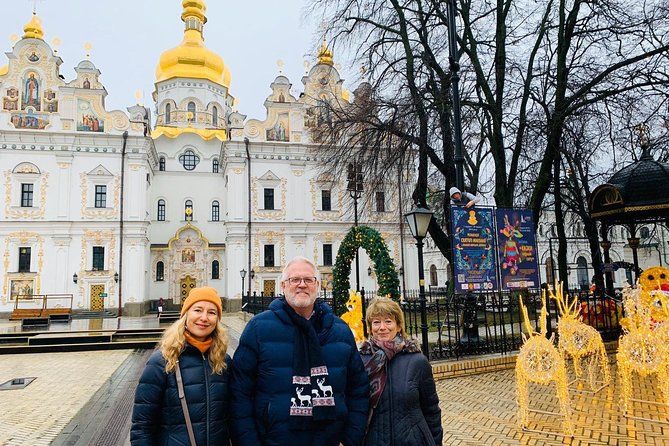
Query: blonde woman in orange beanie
{"x":182,"y":396}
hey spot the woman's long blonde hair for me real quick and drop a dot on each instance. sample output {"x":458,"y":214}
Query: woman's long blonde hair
{"x":173,"y":342}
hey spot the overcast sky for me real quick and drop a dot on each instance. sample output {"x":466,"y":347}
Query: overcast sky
{"x":128,"y":37}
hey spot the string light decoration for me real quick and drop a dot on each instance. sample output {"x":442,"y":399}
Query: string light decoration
{"x":540,"y":362}
{"x":580,"y":341}
{"x":372,"y":241}
{"x":642,"y":351}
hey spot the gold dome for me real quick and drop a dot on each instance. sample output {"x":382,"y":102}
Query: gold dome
{"x":33,"y":29}
{"x":325,"y":56}
{"x":192,"y":59}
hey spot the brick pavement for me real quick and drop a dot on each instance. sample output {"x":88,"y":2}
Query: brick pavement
{"x":65,"y":382}
{"x":481,"y":410}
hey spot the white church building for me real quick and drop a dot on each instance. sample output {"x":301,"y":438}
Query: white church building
{"x":185,"y":183}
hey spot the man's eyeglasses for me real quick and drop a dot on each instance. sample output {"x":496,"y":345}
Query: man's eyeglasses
{"x":296,"y":280}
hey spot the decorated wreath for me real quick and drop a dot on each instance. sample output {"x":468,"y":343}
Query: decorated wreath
{"x":371,"y":241}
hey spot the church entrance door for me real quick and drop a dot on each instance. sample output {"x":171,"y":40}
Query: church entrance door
{"x":187,"y":284}
{"x":97,"y":301}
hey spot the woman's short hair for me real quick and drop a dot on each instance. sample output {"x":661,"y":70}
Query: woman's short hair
{"x":383,"y":306}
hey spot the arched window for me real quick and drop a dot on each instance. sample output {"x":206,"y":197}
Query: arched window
{"x":582,"y":273}
{"x":191,"y":111}
{"x":168,"y":113}
{"x":550,"y":272}
{"x":161,"y":210}
{"x":161,"y":164}
{"x":215,"y":211}
{"x":188,"y":210}
{"x":434,"y":279}
{"x":189,"y":160}
{"x":214,"y":165}
{"x":160,"y":272}
{"x":214,"y":270}
{"x":214,"y":116}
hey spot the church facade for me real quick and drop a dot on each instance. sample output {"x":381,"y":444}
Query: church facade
{"x":201,"y":194}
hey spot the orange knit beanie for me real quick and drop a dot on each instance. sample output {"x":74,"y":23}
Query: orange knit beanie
{"x":206,"y":293}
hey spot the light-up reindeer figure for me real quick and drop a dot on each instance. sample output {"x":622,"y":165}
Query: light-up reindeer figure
{"x":539,"y":361}
{"x":641,"y":350}
{"x":578,"y":340}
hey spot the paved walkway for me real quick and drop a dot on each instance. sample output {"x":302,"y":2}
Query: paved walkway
{"x":65,"y":382}
{"x":86,"y":398}
{"x":481,"y":410}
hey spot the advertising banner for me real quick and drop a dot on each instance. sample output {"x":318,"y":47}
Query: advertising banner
{"x":516,"y":239}
{"x":474,"y":249}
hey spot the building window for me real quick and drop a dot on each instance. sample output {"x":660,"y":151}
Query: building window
{"x":215,"y":211}
{"x":434,"y":278}
{"x":214,"y":269}
{"x":269,"y":198}
{"x":269,"y":256}
{"x":644,"y":232}
{"x":161,"y":164}
{"x":191,"y":111}
{"x":24,"y":260}
{"x":326,"y":201}
{"x":161,"y":210}
{"x":380,"y":202}
{"x":100,"y":196}
{"x":26,"y":195}
{"x":160,"y":272}
{"x":214,"y":165}
{"x":214,"y":116}
{"x":98,"y":258}
{"x":582,"y":273}
{"x":189,"y":160}
{"x":168,"y":113}
{"x":188,"y":210}
{"x":327,"y":254}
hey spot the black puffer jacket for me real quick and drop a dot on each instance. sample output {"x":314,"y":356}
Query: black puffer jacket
{"x":157,"y":418}
{"x":408,"y":412}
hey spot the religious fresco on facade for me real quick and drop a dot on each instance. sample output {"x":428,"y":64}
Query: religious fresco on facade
{"x":280,"y":130}
{"x":50,"y":102}
{"x":188,"y":255}
{"x":87,"y":84}
{"x":21,"y":287}
{"x":11,"y":100}
{"x":87,"y":119}
{"x":31,"y":92}
{"x":33,"y":57}
{"x":30,"y":120}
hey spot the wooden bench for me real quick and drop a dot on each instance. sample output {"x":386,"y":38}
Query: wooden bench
{"x":20,"y":314}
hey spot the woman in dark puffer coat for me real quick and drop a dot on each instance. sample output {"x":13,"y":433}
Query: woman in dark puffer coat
{"x":197,"y":344}
{"x":404,"y":406}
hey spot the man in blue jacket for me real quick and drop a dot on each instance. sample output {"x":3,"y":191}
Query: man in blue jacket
{"x":297,"y":377}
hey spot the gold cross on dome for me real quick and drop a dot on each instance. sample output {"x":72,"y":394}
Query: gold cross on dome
{"x":34,"y":2}
{"x":280,"y":63}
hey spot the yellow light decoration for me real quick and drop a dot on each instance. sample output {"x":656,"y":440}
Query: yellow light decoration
{"x":642,"y":351}
{"x":353,"y":317}
{"x":540,"y":362}
{"x":580,"y":341}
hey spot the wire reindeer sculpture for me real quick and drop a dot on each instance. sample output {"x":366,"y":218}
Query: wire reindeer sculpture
{"x":540,"y":362}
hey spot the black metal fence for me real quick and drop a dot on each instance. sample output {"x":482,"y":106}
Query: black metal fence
{"x":474,"y":324}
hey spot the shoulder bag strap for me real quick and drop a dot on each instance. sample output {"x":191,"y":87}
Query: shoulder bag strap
{"x":184,"y":405}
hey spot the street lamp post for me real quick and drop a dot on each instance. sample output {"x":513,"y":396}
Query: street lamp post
{"x":418,"y":221}
{"x":454,"y":66}
{"x":355,"y":188}
{"x":243,"y":274}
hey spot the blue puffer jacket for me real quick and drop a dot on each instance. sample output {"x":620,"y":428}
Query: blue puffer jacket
{"x":261,"y":383}
{"x":157,"y":418}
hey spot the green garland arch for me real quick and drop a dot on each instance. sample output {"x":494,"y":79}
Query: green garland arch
{"x":371,"y":241}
